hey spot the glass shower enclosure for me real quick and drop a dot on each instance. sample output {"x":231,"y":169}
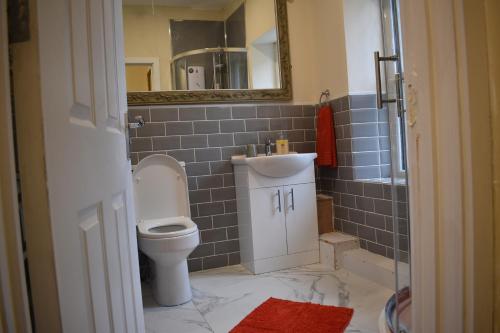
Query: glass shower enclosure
{"x":210,"y":68}
{"x":390,"y":95}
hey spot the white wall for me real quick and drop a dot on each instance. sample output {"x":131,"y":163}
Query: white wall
{"x":263,"y":70}
{"x":331,"y":47}
{"x":363,"y":36}
{"x":317,"y":47}
{"x":260,"y":17}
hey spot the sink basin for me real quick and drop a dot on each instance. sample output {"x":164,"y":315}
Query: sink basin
{"x":276,"y":166}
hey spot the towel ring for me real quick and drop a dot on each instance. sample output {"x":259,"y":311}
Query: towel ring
{"x":325,"y":93}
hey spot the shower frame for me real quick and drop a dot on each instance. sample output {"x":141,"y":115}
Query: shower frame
{"x":226,"y":51}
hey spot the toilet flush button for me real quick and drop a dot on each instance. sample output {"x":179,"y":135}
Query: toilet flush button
{"x":138,"y":179}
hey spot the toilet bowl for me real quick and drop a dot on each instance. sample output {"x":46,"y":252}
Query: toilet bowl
{"x":166,"y":233}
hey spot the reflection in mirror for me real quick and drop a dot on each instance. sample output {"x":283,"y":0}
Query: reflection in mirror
{"x":201,"y":45}
{"x":142,"y":74}
{"x":138,"y":77}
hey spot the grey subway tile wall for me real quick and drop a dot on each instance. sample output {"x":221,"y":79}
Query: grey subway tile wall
{"x":362,"y":197}
{"x":362,"y":138}
{"x":364,"y":209}
{"x":205,"y":137}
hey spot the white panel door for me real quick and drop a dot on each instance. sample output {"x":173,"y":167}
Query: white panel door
{"x":89,"y":179}
{"x":301,"y":218}
{"x":268,"y":222}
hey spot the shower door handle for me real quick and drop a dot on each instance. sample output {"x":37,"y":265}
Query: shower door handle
{"x":399,"y":94}
{"x":378,"y":81}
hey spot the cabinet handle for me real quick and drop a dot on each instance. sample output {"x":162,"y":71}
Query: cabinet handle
{"x":279,"y":201}
{"x":293,"y":200}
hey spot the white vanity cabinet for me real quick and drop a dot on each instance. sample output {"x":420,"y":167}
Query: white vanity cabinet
{"x":301,"y":218}
{"x":268,"y":222}
{"x":277,"y":216}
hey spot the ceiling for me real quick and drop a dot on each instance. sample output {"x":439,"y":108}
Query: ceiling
{"x":195,"y":4}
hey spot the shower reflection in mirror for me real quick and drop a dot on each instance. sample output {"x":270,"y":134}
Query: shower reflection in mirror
{"x":201,"y":45}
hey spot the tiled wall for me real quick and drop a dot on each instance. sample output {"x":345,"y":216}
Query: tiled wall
{"x":362,"y":134}
{"x":205,"y":137}
{"x":362,"y":201}
{"x":364,"y":209}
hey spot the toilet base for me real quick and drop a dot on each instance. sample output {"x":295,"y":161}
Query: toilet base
{"x":171,"y":284}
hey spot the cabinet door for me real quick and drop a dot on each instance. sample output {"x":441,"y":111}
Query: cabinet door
{"x":268,"y":222}
{"x":301,"y":218}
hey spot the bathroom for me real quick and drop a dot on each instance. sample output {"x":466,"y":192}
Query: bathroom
{"x":205,"y":137}
{"x":207,"y":166}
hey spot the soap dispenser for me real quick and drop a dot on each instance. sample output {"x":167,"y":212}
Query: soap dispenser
{"x":282,"y":144}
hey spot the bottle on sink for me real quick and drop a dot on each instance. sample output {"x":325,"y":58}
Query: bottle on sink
{"x":282,"y":145}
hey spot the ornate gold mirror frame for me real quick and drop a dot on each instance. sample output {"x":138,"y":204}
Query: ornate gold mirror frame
{"x":231,"y":95}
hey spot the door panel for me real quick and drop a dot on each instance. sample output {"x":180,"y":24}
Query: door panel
{"x":95,"y":269}
{"x":268,"y":222}
{"x":301,"y":218}
{"x":88,"y":172}
{"x":123,"y":244}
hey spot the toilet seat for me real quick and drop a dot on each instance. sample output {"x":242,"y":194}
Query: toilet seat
{"x":145,"y":227}
{"x":160,"y":189}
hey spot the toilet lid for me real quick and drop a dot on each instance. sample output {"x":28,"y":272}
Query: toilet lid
{"x":160,"y":188}
{"x":166,"y":228}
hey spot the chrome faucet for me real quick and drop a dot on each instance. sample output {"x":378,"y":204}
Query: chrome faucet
{"x":268,"y":149}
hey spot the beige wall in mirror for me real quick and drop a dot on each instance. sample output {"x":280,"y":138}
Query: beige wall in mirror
{"x":201,"y":44}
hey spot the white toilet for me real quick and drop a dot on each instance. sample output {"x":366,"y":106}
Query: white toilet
{"x":165,"y":230}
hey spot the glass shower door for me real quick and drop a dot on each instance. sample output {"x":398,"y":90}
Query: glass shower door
{"x":398,"y":311}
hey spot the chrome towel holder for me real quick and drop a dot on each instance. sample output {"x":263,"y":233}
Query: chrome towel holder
{"x":324,"y":93}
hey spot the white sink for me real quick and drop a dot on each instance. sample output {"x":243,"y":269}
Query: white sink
{"x":276,"y":166}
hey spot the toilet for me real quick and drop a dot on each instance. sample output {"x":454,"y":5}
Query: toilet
{"x":166,"y":233}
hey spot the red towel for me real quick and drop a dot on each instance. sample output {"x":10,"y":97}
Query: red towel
{"x":325,"y":138}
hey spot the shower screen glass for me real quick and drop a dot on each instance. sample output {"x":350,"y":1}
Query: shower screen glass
{"x":398,"y":309}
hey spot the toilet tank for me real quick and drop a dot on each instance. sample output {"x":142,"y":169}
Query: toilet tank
{"x":160,"y":188}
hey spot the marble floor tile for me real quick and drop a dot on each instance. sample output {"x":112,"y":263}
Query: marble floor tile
{"x":223,"y":297}
{"x":182,"y":318}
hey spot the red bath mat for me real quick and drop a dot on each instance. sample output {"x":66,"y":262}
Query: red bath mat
{"x":277,"y":315}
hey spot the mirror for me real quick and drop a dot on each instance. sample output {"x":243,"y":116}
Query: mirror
{"x":202,"y":51}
